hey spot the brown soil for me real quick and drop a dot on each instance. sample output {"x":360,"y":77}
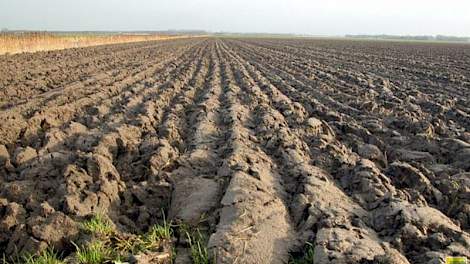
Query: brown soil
{"x":360,"y":148}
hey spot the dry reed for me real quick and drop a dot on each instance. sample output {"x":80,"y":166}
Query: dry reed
{"x":39,"y":41}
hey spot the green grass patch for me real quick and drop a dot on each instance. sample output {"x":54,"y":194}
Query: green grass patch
{"x":48,"y":256}
{"x":95,"y":252}
{"x":105,"y":245}
{"x":197,"y":242}
{"x":304,"y":257}
{"x":158,"y":232}
{"x":98,"y":225}
{"x":153,"y":240}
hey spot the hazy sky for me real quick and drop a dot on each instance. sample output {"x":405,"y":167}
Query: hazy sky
{"x":333,"y":17}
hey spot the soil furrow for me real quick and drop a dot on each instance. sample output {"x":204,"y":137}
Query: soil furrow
{"x":254,"y":223}
{"x":388,"y":251}
{"x":80,"y":105}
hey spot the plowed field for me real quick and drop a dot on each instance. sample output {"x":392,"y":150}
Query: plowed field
{"x":357,"y":149}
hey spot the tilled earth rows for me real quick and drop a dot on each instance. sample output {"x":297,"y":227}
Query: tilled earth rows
{"x":361,"y":149}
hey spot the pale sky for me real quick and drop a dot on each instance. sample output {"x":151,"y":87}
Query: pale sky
{"x":333,"y":17}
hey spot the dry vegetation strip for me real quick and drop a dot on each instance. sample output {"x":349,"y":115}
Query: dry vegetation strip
{"x":38,"y":41}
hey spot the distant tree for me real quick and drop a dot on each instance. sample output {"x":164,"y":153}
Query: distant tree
{"x":4,"y":29}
